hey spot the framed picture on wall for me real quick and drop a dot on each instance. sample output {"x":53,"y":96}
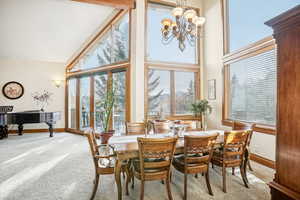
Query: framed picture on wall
{"x":212,"y":89}
{"x":13,"y":90}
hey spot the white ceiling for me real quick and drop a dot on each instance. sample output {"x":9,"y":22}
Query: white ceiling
{"x":47,"y":30}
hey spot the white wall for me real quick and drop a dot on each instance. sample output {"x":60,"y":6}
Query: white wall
{"x":137,"y":62}
{"x":262,"y":144}
{"x":35,"y":76}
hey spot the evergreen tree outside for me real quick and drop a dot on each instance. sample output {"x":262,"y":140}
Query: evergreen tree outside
{"x":153,"y":98}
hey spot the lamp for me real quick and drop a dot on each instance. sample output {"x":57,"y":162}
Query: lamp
{"x":189,"y":14}
{"x":57,"y":83}
{"x":184,"y":27}
{"x":177,"y":12}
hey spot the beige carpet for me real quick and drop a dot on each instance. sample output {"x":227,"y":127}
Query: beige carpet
{"x":36,"y":167}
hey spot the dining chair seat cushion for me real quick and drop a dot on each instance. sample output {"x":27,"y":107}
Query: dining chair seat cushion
{"x":219,"y":159}
{"x":150,"y":173}
{"x":197,"y":165}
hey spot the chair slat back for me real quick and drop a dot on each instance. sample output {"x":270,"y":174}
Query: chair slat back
{"x":156,"y":153}
{"x":244,"y":126}
{"x":235,"y":144}
{"x":93,"y":145}
{"x":161,"y":127}
{"x":135,"y":128}
{"x":199,"y":149}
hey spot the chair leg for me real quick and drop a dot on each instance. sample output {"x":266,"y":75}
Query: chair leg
{"x":224,"y":178}
{"x":243,"y":176}
{"x":244,"y":167}
{"x":212,"y":165}
{"x":132,"y":185}
{"x":196,"y":175}
{"x":96,"y":183}
{"x":162,"y":182}
{"x":169,"y":189}
{"x":142,"y":190}
{"x":123,"y":174}
{"x":185,"y":187}
{"x":233,"y":171}
{"x":250,"y":167}
{"x":128,"y":178}
{"x":208,"y":183}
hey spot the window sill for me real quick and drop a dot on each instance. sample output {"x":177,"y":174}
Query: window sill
{"x":182,"y":117}
{"x":258,"y":128}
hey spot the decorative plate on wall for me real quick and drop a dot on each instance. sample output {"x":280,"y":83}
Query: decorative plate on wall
{"x":13,"y":90}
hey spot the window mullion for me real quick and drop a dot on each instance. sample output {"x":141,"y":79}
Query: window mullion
{"x":172,"y":88}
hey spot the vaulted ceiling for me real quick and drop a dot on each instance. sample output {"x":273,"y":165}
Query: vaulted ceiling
{"x":47,"y":30}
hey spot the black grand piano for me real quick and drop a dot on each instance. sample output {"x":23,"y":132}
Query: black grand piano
{"x":26,"y":117}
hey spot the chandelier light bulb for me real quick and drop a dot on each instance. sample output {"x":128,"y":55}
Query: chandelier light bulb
{"x":177,"y":12}
{"x":189,"y":14}
{"x":166,"y":23}
{"x":198,"y":21}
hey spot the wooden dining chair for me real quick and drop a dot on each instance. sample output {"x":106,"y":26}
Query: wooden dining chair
{"x":198,"y":151}
{"x":154,"y":163}
{"x":103,"y":157}
{"x":161,"y":127}
{"x":232,"y":153}
{"x":135,"y":128}
{"x":245,"y":126}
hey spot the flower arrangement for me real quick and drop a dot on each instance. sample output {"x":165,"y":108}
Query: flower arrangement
{"x":42,"y":98}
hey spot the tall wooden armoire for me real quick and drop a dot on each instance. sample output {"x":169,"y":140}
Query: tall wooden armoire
{"x":286,"y":184}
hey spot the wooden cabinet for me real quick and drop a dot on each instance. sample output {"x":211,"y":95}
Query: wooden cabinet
{"x":286,"y":184}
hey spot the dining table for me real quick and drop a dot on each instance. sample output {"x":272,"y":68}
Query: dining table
{"x":126,"y":148}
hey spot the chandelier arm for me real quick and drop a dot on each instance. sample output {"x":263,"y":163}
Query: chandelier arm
{"x":192,"y":40}
{"x":168,"y":39}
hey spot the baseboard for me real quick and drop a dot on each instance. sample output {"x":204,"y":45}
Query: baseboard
{"x":56,"y":130}
{"x":263,"y":161}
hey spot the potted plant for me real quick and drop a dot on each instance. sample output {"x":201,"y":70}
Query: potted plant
{"x":105,"y":115}
{"x":201,"y":109}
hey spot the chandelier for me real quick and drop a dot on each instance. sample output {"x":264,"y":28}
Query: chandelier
{"x":184,"y":28}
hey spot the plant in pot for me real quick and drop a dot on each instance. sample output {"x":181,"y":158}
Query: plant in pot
{"x":201,"y":109}
{"x":105,"y":115}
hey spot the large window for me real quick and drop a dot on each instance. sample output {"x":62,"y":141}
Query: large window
{"x":108,"y":57}
{"x":246,"y":19}
{"x":101,"y":84}
{"x":253,"y":89}
{"x":172,"y":74}
{"x":72,"y":103}
{"x":84,"y":102}
{"x":170,"y":92}
{"x":119,"y":86}
{"x":156,"y":50}
{"x":250,"y":60}
{"x":112,"y":47}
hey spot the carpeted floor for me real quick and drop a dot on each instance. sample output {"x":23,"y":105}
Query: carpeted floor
{"x":36,"y":167}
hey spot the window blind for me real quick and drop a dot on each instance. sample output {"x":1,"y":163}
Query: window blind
{"x":253,"y":89}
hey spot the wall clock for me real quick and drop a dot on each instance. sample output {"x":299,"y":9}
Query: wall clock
{"x":13,"y":90}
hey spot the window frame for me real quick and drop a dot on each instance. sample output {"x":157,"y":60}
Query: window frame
{"x":115,"y":19}
{"x":198,"y":45}
{"x":252,"y":49}
{"x":109,"y":69}
{"x":172,"y":71}
{"x":172,"y":66}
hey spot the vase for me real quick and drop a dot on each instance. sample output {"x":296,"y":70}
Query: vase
{"x":204,"y":121}
{"x":106,"y":135}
